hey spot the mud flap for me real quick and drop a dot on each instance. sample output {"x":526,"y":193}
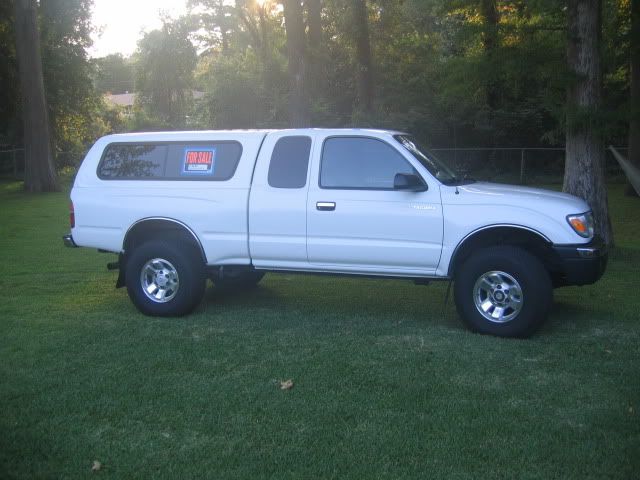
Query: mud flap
{"x":121,"y":271}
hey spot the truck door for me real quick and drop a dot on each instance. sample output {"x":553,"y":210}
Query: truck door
{"x":278,"y":202}
{"x":358,"y":222}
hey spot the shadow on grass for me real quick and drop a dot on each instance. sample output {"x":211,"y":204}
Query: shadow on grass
{"x":282,"y":302}
{"x":322,"y":299}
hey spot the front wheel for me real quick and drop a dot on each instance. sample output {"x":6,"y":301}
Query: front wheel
{"x":165,"y":278}
{"x":503,"y":291}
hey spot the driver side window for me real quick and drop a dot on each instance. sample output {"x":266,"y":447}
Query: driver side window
{"x":361,"y":163}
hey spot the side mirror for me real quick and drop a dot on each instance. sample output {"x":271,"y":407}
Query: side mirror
{"x":410,"y":183}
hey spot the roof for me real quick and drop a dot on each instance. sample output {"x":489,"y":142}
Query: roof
{"x":121,"y":99}
{"x":128,"y":99}
{"x":216,"y":134}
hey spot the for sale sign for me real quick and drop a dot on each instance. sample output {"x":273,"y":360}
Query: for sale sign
{"x":198,"y":161}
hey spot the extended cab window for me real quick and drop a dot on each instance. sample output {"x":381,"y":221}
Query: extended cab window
{"x":290,"y":162}
{"x":133,"y":161}
{"x":170,"y":161}
{"x":361,"y":163}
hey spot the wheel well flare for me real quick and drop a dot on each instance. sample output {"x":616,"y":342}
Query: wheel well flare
{"x":527,"y":239}
{"x":154,"y":228}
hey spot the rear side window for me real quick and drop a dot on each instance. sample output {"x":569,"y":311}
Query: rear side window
{"x":133,"y":161}
{"x":170,"y":161}
{"x":290,"y":162}
{"x":361,"y":163}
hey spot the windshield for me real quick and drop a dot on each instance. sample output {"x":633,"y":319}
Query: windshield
{"x":436,"y":167}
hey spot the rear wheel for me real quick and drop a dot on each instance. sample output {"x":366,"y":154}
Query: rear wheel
{"x":165,"y":278}
{"x":503,"y":291}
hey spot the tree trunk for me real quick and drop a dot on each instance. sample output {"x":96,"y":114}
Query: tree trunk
{"x":314,"y":20}
{"x":314,"y":15}
{"x":363,"y":55}
{"x":634,"y":124}
{"x":490,"y":27}
{"x":294,"y":25}
{"x":222,"y":24}
{"x":264,"y":42}
{"x":39,"y":174}
{"x":584,"y":167}
{"x":490,"y":43}
{"x":250,"y":25}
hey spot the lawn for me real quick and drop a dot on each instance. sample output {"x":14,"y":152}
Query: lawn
{"x":387,"y":383}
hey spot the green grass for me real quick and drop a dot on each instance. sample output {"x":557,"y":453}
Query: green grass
{"x":388,"y":384}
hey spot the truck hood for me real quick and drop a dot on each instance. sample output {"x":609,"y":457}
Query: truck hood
{"x":513,"y":195}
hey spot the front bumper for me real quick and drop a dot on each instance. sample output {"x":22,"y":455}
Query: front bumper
{"x":581,"y":264}
{"x":68,"y":241}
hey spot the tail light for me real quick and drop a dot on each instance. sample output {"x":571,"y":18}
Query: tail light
{"x":72,"y":215}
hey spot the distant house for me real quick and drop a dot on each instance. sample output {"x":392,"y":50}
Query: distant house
{"x":125,"y":101}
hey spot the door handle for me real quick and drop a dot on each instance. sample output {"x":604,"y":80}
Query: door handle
{"x":326,"y":206}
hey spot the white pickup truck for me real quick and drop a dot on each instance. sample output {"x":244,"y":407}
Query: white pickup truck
{"x":179,"y":207}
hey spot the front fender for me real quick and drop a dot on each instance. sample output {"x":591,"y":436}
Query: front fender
{"x":462,"y":221}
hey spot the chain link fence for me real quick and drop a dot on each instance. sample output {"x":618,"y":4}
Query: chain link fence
{"x":12,"y":162}
{"x":533,"y":165}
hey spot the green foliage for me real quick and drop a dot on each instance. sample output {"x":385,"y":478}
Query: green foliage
{"x":114,"y":74}
{"x":439,"y":65}
{"x":65,"y":28}
{"x":445,"y":70}
{"x":434,"y":71}
{"x":166,"y":59}
{"x":615,"y":64}
{"x":237,"y":95}
{"x":143,"y":121}
{"x":76,"y":113}
{"x":243,"y":72}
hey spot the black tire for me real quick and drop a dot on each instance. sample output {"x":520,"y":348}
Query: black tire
{"x":241,"y":280}
{"x":183,"y":261}
{"x":531,"y":280}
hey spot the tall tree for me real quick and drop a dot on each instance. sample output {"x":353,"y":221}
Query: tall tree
{"x":217,"y":21}
{"x":10,"y":131}
{"x":253,"y":16}
{"x":39,"y":174}
{"x":363,"y":55}
{"x":165,"y":67}
{"x":584,"y":172}
{"x":222,"y":21}
{"x":634,"y":124}
{"x":298,"y":102}
{"x":114,"y":74}
{"x":314,"y":22}
{"x":490,"y":40}
{"x":65,"y":35}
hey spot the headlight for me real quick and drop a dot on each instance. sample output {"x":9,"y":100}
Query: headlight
{"x":582,"y":224}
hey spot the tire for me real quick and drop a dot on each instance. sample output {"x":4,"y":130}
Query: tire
{"x":169,"y":266}
{"x":240,"y":280}
{"x":503,"y":291}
